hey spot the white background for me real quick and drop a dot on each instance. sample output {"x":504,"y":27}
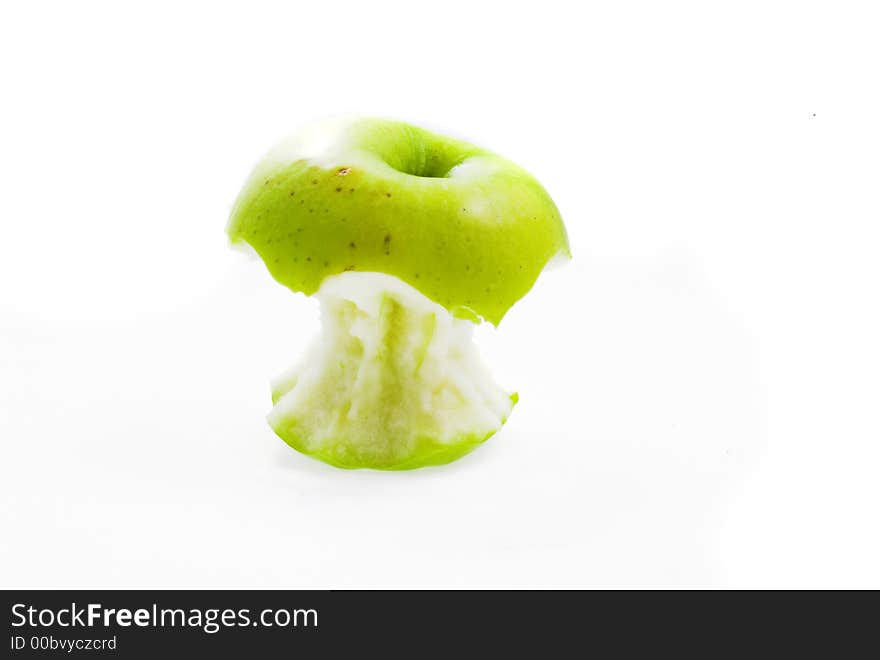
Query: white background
{"x":700,"y":387}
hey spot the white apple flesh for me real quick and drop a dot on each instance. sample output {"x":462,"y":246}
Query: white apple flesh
{"x":392,"y":378}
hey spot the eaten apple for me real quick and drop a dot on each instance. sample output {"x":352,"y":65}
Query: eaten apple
{"x":408,"y":238}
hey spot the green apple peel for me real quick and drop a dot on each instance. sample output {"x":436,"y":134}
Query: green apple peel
{"x":407,"y":238}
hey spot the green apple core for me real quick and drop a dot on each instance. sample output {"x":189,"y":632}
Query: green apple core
{"x":393,"y":381}
{"x":407,"y":237}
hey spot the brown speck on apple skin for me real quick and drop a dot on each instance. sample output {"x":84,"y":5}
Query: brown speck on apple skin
{"x":343,"y":171}
{"x":314,"y":182}
{"x":387,"y":244}
{"x":339,"y":190}
{"x":388,"y":194}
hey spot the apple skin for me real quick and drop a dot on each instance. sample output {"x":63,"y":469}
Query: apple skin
{"x":467,"y":228}
{"x":428,"y":453}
